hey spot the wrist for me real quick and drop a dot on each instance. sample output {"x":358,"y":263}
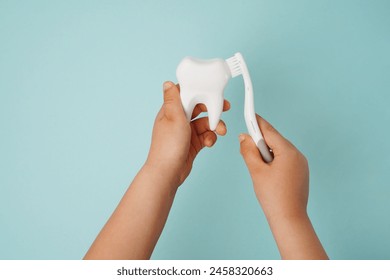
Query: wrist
{"x":289,"y":217}
{"x":164,"y":175}
{"x":296,"y":238}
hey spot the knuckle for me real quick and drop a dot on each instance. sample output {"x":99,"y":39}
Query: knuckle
{"x":243,"y":150}
{"x":305,"y":162}
{"x":168,"y":98}
{"x":293,"y":153}
{"x":269,"y":127}
{"x":299,"y":157}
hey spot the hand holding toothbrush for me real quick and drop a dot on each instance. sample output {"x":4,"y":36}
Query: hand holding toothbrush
{"x":282,"y":188}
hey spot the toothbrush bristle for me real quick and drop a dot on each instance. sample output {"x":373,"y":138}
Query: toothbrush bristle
{"x":234,"y":66}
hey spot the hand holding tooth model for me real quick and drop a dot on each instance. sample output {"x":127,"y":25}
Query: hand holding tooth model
{"x":281,"y":186}
{"x":203,"y":81}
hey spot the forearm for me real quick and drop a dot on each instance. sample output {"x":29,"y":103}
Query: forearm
{"x":296,"y":238}
{"x":135,"y":226}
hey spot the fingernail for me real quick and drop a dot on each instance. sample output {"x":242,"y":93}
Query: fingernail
{"x":241,"y":137}
{"x":167,"y":85}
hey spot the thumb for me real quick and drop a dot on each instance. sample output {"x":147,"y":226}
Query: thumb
{"x":272,"y":137}
{"x":250,"y":153}
{"x":171,"y":93}
{"x":172,"y":101}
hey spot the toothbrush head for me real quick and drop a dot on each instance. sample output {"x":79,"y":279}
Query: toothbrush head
{"x":235,"y":64}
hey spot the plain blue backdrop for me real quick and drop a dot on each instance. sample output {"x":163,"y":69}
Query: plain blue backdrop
{"x":80,"y":85}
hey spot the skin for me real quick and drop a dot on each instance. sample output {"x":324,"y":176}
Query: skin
{"x":136,"y":224}
{"x":281,"y":186}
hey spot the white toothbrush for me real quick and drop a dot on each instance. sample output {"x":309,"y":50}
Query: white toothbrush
{"x":238,"y":67}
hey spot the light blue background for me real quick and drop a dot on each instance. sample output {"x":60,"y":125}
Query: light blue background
{"x":80,"y":85}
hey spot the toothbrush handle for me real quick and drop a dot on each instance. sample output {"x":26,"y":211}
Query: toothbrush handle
{"x":250,"y":116}
{"x":254,"y":130}
{"x":264,"y":151}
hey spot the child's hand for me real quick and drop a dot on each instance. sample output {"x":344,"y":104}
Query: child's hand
{"x":175,"y":142}
{"x":136,"y":224}
{"x":281,"y":186}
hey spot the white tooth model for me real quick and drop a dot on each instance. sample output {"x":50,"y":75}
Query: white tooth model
{"x":203,"y":81}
